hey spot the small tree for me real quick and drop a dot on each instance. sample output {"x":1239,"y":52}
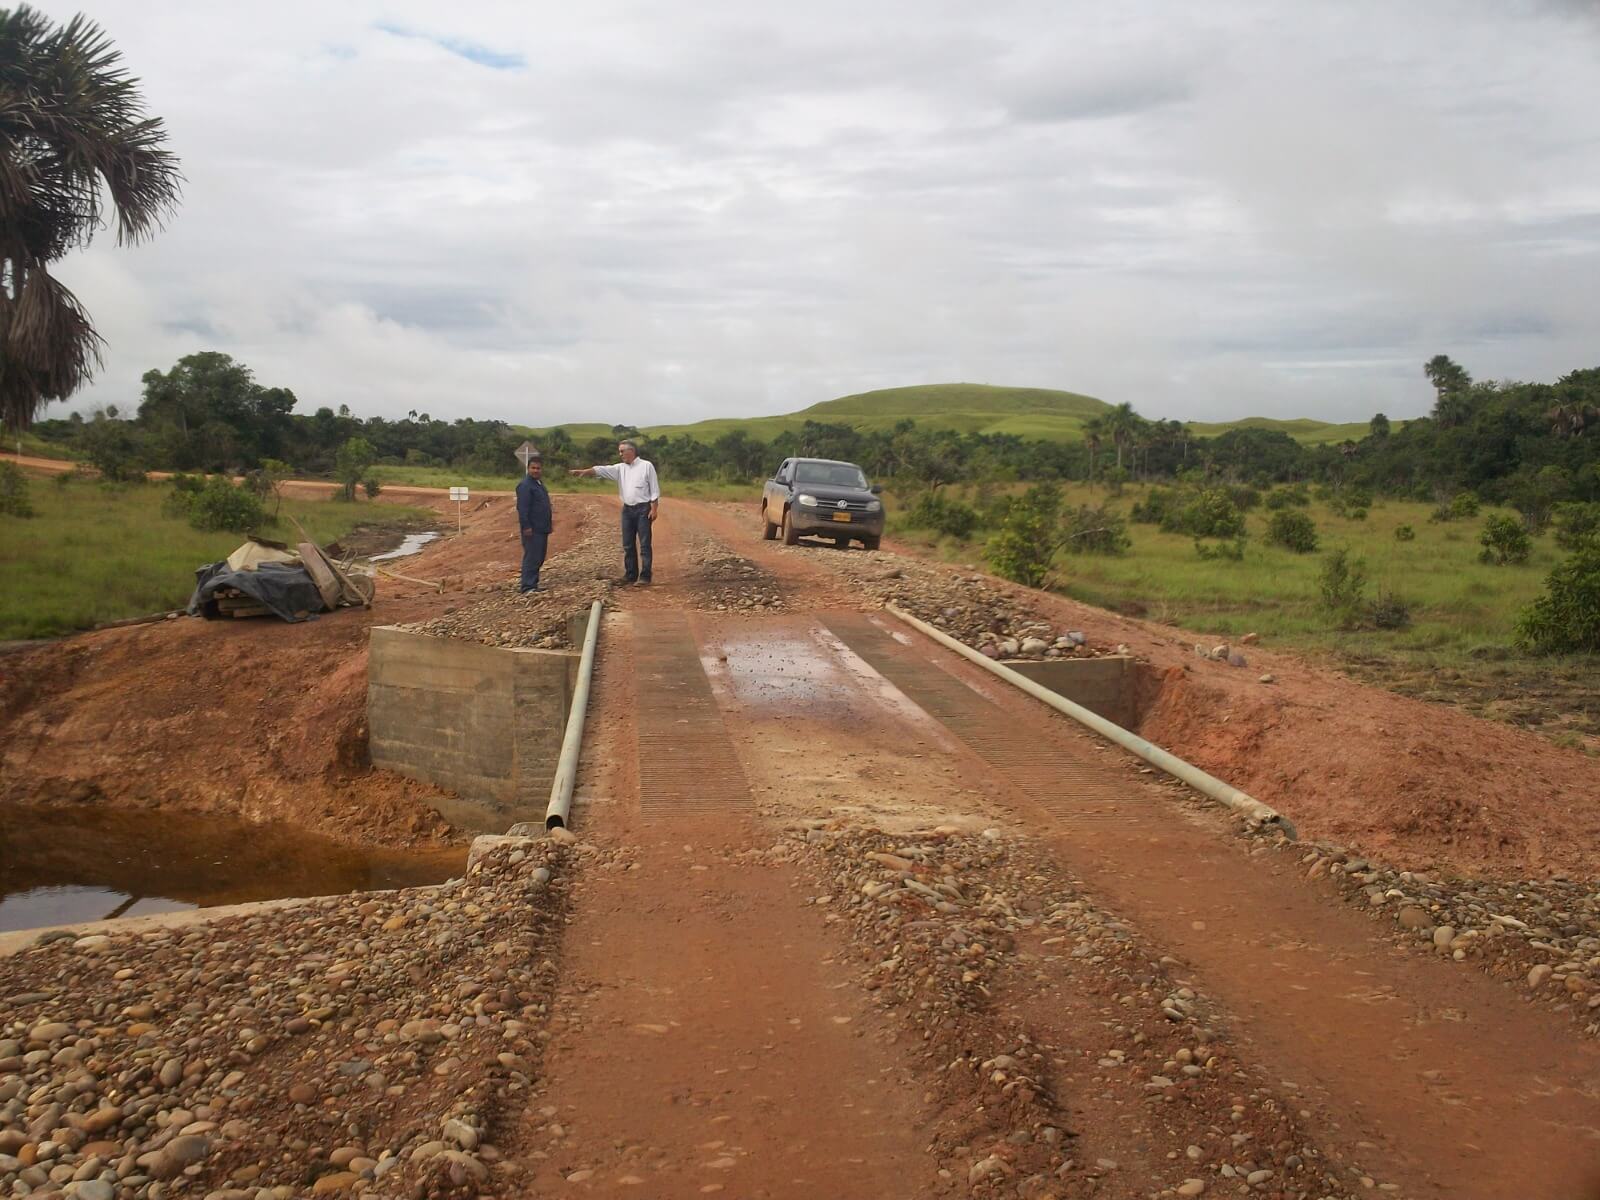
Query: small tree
{"x":371,"y":487}
{"x":1027,"y":540}
{"x":1504,"y":541}
{"x":1566,"y":618}
{"x":1088,"y":530}
{"x":274,"y":473}
{"x":14,"y":492}
{"x":219,"y":505}
{"x":1577,"y":525}
{"x":351,"y":463}
{"x":115,"y":450}
{"x":1342,"y":584}
{"x":1293,"y":530}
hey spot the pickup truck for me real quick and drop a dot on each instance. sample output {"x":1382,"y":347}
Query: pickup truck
{"x":821,"y":497}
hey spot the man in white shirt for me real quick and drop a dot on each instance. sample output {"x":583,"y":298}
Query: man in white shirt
{"x":641,"y":499}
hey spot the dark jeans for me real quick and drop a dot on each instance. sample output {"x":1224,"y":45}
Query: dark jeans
{"x":636,"y":525}
{"x":534,"y":546}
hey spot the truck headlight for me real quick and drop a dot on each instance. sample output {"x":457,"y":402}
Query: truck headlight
{"x":874,"y":506}
{"x":806,"y":501}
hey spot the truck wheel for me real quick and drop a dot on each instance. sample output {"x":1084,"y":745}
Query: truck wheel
{"x":790,"y":537}
{"x":841,"y":543}
{"x":768,"y":529}
{"x":869,"y":543}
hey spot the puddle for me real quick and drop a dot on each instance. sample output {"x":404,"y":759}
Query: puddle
{"x":409,"y":545}
{"x":71,"y":865}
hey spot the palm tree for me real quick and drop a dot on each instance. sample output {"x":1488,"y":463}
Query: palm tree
{"x":1124,"y":424}
{"x":72,"y":130}
{"x":1094,"y":430}
{"x":1450,"y":383}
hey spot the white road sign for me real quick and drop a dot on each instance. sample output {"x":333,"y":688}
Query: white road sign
{"x":459,"y":494}
{"x":524,"y":452}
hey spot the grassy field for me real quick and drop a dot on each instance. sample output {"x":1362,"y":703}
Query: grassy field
{"x":1457,"y":648}
{"x":99,"y":552}
{"x":966,"y":407}
{"x":558,"y":482}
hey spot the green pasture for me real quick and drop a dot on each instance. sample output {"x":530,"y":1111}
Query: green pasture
{"x":1458,"y":604}
{"x":98,"y":552}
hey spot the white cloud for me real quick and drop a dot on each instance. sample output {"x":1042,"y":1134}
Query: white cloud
{"x":626,"y":212}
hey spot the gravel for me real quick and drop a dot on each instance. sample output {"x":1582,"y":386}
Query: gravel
{"x":363,"y":1042}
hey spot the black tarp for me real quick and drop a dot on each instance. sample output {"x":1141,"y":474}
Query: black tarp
{"x":287,"y":589}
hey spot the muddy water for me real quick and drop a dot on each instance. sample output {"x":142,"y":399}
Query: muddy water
{"x":66,"y":865}
{"x":409,"y":545}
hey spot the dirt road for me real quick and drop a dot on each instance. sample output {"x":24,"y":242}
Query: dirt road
{"x":693,"y":974}
{"x":844,"y":916}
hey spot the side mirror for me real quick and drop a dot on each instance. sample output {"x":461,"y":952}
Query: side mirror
{"x":876,"y":489}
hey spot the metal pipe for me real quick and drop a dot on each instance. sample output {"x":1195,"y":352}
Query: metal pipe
{"x":560,"y":807}
{"x":1192,"y":775}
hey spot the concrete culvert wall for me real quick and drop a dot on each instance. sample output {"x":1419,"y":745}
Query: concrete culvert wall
{"x":481,"y":721}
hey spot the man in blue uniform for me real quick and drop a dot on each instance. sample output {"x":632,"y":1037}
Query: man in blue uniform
{"x":534,"y":518}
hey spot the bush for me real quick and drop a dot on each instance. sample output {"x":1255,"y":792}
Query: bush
{"x":1281,"y":498}
{"x":115,"y":449}
{"x":1209,"y":512}
{"x":14,"y":492}
{"x":1577,"y":525}
{"x":949,"y":517}
{"x":1095,"y":531}
{"x":218,"y":505}
{"x":371,"y":487}
{"x":1389,"y":611}
{"x":1224,"y":551}
{"x":1462,"y":508}
{"x":1566,"y":618}
{"x":1292,"y":530}
{"x":1243,"y":496}
{"x":1342,"y":584}
{"x":1504,"y":541}
{"x":1153,"y":509}
{"x":1026,"y":543}
{"x":1404,"y":533}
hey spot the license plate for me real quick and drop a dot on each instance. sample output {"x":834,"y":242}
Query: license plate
{"x":841,"y":516}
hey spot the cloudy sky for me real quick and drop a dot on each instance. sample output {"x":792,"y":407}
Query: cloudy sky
{"x":652,"y":212}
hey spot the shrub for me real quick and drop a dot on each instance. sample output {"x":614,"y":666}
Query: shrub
{"x":1209,"y":512}
{"x":1153,"y":509}
{"x":1566,"y":618}
{"x":1504,"y":541}
{"x":1577,"y":525}
{"x":1404,"y":533}
{"x":1021,"y":551}
{"x":14,"y":492}
{"x":1292,"y":529}
{"x":1463,"y":507}
{"x":949,"y":517}
{"x":1095,"y":531}
{"x":371,"y":487}
{"x":1243,"y":496}
{"x":219,"y":505}
{"x":1342,"y":584}
{"x":1295,"y":497}
{"x":1224,"y":551}
{"x":1389,"y":611}
{"x":351,"y":463}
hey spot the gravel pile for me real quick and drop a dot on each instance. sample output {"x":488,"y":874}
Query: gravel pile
{"x":571,"y":581}
{"x":726,"y":582}
{"x":1544,"y":936}
{"x":364,"y":1043}
{"x":971,"y":608}
{"x":959,"y":933}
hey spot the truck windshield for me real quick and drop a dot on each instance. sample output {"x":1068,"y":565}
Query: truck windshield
{"x":835,"y":474}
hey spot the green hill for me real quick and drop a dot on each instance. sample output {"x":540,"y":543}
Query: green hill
{"x":968,"y":408}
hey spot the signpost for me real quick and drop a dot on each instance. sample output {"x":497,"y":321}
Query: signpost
{"x":524,"y":452}
{"x":460,"y":495}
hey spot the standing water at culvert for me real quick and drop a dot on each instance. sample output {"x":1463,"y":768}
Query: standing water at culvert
{"x":409,"y":545}
{"x":71,"y":865}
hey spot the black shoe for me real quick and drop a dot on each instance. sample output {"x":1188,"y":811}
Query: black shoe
{"x":624,"y":581}
{"x":534,"y":588}
{"x":644,"y":581}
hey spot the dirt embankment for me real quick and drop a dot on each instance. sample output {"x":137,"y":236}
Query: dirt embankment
{"x":254,"y":718}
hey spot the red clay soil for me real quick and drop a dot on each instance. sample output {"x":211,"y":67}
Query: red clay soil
{"x":1416,"y":784}
{"x":254,"y":718}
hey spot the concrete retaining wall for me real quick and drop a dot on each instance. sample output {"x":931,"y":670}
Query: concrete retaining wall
{"x":481,"y":721}
{"x":1106,"y":686}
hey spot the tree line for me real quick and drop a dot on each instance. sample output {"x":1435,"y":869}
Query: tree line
{"x":1529,"y":445}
